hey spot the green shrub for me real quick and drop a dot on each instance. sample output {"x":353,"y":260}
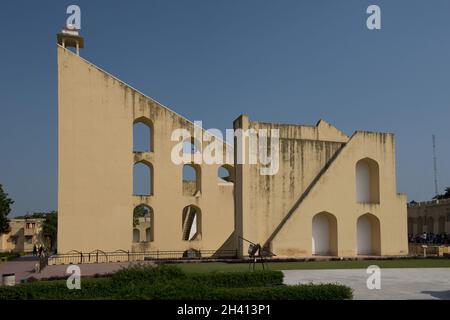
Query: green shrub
{"x":170,"y":283}
{"x":184,"y":290}
{"x":239,"y":279}
{"x":297,"y":292}
{"x":149,"y":274}
{"x":42,"y":290}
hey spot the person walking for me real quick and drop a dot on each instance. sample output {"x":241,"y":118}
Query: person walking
{"x":34,"y":250}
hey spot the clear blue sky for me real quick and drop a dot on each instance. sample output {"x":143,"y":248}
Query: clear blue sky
{"x":283,"y":61}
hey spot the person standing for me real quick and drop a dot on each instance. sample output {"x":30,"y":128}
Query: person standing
{"x":424,"y":237}
{"x":34,"y":250}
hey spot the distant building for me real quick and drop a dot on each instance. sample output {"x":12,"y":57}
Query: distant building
{"x":24,"y":234}
{"x":431,"y":217}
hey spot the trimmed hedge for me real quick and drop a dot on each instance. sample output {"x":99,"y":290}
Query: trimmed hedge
{"x":173,"y":290}
{"x":297,"y":292}
{"x":181,"y":290}
{"x":239,"y":279}
{"x":149,"y":274}
{"x":170,"y":283}
{"x":164,"y":273}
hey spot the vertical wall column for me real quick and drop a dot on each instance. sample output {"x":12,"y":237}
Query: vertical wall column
{"x":242,"y":224}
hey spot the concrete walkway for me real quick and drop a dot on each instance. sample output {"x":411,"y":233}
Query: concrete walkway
{"x":396,"y":284}
{"x":22,"y":267}
{"x":87,"y":269}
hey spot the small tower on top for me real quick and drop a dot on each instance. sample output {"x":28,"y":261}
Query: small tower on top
{"x":70,"y":37}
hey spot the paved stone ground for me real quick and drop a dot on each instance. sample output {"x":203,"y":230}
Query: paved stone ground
{"x":396,"y":284}
{"x":87,"y":269}
{"x":23,"y":268}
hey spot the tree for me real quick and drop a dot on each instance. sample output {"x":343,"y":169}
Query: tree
{"x":139,"y":212}
{"x":446,"y":195}
{"x":50,"y":228}
{"x":5,"y":209}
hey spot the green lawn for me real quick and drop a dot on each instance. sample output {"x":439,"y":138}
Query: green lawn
{"x":401,"y":263}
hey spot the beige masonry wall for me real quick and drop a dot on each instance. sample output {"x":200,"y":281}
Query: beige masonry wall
{"x":317,"y":174}
{"x":95,"y":200}
{"x":302,"y":156}
{"x":316,"y":178}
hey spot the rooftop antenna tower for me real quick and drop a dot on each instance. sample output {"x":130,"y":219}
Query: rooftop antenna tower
{"x":436,"y":189}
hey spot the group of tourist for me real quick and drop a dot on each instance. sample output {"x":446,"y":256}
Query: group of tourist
{"x":430,"y":238}
{"x":38,"y":250}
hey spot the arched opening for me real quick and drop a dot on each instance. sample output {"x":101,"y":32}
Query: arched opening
{"x":191,"y":223}
{"x":143,"y":220}
{"x":367,"y":181}
{"x":419,"y":225}
{"x":148,"y":235}
{"x":192,"y":150}
{"x":430,"y":225}
{"x":324,"y":234}
{"x":136,"y":235}
{"x":441,"y":227}
{"x":143,"y":135}
{"x":191,"y":180}
{"x":368,"y":235}
{"x":225,"y":174}
{"x":143,"y":179}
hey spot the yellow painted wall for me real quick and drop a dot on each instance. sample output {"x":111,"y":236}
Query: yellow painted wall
{"x":95,"y":200}
{"x":317,"y":174}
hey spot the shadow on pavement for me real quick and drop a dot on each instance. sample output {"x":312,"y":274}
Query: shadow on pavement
{"x":443,"y":295}
{"x":27,"y":258}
